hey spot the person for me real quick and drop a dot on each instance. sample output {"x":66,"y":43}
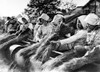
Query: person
{"x":11,"y":26}
{"x":60,"y":28}
{"x":57,"y":21}
{"x":92,"y":35}
{"x":79,"y":39}
{"x":26,"y":26}
{"x":44,"y":29}
{"x":25,"y":22}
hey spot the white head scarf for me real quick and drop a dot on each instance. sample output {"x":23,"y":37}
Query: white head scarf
{"x":26,"y":17}
{"x":92,"y":19}
{"x":81,"y":19}
{"x":57,"y":18}
{"x":23,"y":16}
{"x":20,"y":20}
{"x":44,"y":16}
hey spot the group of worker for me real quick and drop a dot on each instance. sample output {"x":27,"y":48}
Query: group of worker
{"x":86,"y":38}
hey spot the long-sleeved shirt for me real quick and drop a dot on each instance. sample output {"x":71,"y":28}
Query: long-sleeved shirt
{"x":80,"y":34}
{"x":43,"y":31}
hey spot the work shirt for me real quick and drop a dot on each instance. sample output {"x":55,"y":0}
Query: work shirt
{"x":94,"y":38}
{"x":44,"y":30}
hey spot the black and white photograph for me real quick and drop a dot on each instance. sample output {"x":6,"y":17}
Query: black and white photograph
{"x":49,"y":35}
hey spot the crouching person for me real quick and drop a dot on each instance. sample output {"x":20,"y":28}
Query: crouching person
{"x":92,"y":36}
{"x":44,"y":28}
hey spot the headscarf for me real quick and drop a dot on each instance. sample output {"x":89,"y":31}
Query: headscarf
{"x":81,"y":19}
{"x":23,"y":18}
{"x":57,"y":18}
{"x":20,"y":20}
{"x":92,"y":19}
{"x":44,"y":16}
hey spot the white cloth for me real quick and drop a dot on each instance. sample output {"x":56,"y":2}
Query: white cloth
{"x":13,"y":47}
{"x":44,"y":16}
{"x":57,"y":18}
{"x":23,"y":16}
{"x":80,"y":34}
{"x":92,"y":19}
{"x":81,"y":19}
{"x":26,"y":17}
{"x":20,"y":20}
{"x":30,"y":26}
